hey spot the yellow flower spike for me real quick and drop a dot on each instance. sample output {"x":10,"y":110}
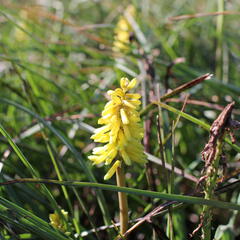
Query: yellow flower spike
{"x":121,"y":130}
{"x":122,"y":134}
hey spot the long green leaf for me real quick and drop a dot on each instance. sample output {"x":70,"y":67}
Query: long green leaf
{"x":147,"y":193}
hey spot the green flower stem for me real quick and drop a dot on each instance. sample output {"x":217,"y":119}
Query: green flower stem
{"x":211,"y":180}
{"x":122,"y":198}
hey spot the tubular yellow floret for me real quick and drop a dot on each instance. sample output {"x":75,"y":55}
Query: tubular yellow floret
{"x":112,"y":170}
{"x":122,"y":131}
{"x":124,"y":116}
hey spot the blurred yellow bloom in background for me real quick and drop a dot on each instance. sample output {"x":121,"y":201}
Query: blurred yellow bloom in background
{"x":123,"y":31}
{"x":57,"y":222}
{"x":122,"y":131}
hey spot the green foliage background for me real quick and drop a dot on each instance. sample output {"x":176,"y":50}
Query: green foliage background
{"x":56,"y":64}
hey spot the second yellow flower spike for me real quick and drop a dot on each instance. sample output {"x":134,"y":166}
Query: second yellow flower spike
{"x":123,"y":31}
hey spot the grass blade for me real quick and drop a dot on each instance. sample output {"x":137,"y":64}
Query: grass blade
{"x":147,"y":193}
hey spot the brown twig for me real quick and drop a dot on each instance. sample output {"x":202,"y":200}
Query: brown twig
{"x":217,"y":130}
{"x":198,"y":15}
{"x":177,"y":90}
{"x":168,"y":166}
{"x":201,"y":103}
{"x":186,"y":86}
{"x":211,"y":155}
{"x":147,"y":218}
